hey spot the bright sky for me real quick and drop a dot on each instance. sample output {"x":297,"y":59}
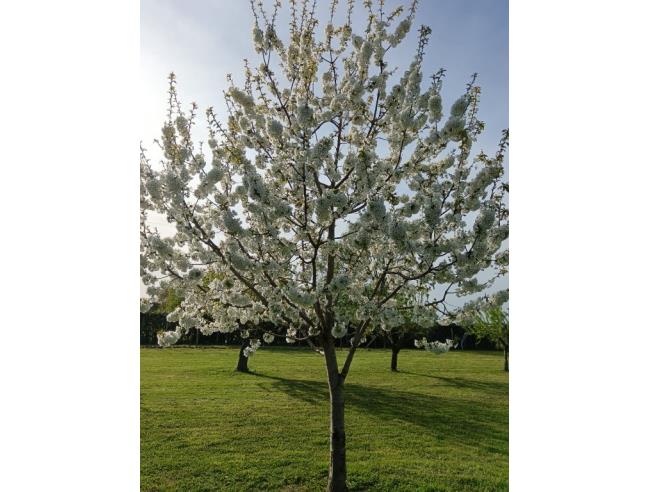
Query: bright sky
{"x":203,"y":40}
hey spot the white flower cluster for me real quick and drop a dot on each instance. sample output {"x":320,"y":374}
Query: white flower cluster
{"x":274,"y":129}
{"x":145,"y":305}
{"x":291,"y":335}
{"x":252,"y":348}
{"x":339,"y":330}
{"x":391,"y":318}
{"x":299,"y":297}
{"x":168,"y":338}
{"x":232,"y":224}
{"x":242,"y":98}
{"x":434,"y":346}
{"x":401,"y":31}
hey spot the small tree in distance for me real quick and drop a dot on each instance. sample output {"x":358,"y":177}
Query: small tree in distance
{"x":330,"y":187}
{"x":492,"y":323}
{"x":169,"y":302}
{"x":415,"y":319}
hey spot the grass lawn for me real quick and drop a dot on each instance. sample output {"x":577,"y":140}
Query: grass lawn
{"x":440,"y":424}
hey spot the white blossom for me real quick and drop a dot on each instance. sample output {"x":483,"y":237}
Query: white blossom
{"x":145,"y":305}
{"x":459,"y":107}
{"x":174,"y":315}
{"x":241,"y":98}
{"x":299,"y":297}
{"x":435,"y":346}
{"x":401,"y":31}
{"x":257,"y":36}
{"x":339,"y":330}
{"x":454,"y":127}
{"x":232,"y":224}
{"x":251,"y":349}
{"x":168,"y":338}
{"x":274,"y":129}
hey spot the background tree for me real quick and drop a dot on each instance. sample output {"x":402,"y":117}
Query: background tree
{"x":397,"y":339}
{"x":330,"y":176}
{"x":414,"y":320}
{"x":249,"y":345}
{"x":169,"y":300}
{"x":492,"y":324}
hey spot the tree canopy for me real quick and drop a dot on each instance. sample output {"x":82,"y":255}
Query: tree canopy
{"x":336,"y":184}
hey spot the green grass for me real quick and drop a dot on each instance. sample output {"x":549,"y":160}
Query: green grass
{"x":440,"y":424}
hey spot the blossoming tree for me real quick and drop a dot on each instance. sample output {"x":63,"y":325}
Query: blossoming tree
{"x":331,"y":186}
{"x":412,"y":318}
{"x":490,"y":321}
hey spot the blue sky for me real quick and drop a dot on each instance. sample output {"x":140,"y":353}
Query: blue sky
{"x":203,"y":40}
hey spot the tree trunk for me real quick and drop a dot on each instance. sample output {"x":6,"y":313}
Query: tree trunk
{"x":396,"y":344}
{"x":242,"y":365}
{"x":394,"y":359}
{"x":506,"y":358}
{"x":337,"y":465}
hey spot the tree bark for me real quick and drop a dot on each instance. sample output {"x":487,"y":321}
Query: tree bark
{"x":396,"y":344}
{"x":506,"y":358}
{"x":394,"y":358}
{"x":242,"y":365}
{"x":337,"y":464}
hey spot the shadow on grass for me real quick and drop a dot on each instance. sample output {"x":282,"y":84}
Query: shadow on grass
{"x":476,"y":423}
{"x":490,"y":353}
{"x":489,"y":386}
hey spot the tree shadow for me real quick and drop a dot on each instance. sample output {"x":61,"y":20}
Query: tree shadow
{"x":490,"y":386}
{"x":470,"y":422}
{"x":489,"y":353}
